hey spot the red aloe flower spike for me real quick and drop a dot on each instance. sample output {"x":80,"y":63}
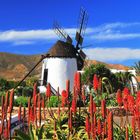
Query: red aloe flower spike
{"x":48,"y":91}
{"x":5,"y":133}
{"x":74,"y":106}
{"x":127,"y":135}
{"x":83,"y":94}
{"x":75,"y":80}
{"x":31,"y":114}
{"x":138,"y":124}
{"x":94,"y":107}
{"x":39,"y":110}
{"x":6,"y":101}
{"x":9,"y":126}
{"x":70,"y":120}
{"x":2,"y":106}
{"x":11,"y":101}
{"x":87,"y":123}
{"x":104,"y":128}
{"x":94,"y":120}
{"x":91,"y":106}
{"x":126,"y":92}
{"x":35,"y":100}
{"x":95,"y":82}
{"x":38,"y":100}
{"x":35,"y":105}
{"x":110,"y":126}
{"x":34,"y":92}
{"x":24,"y":114}
{"x":68,"y":90}
{"x":58,"y":111}
{"x":19,"y":113}
{"x":79,"y":83}
{"x":103,"y":108}
{"x":43,"y":106}
{"x":99,"y":127}
{"x":68,"y":86}
{"x":131,"y":103}
{"x":91,"y":115}
{"x":64,"y":98}
{"x":75,"y":93}
{"x":119,"y":97}
{"x":29,"y":106}
{"x":133,"y":127}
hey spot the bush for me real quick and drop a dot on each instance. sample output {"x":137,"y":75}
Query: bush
{"x":27,"y":91}
{"x":54,"y":101}
{"x":21,"y":100}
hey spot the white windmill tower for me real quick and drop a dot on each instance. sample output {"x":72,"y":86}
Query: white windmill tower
{"x":64,"y":58}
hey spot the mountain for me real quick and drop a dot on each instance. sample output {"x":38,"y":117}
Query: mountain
{"x":14,"y":67}
{"x":110,"y":66}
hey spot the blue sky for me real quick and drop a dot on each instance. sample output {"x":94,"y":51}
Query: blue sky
{"x":113,"y":30}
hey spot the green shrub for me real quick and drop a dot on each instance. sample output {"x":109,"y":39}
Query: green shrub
{"x":53,"y":101}
{"x":21,"y":100}
{"x":27,"y":91}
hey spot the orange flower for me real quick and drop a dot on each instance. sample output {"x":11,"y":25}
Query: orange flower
{"x":70,"y":120}
{"x":95,"y":82}
{"x":19,"y":113}
{"x":11,"y":101}
{"x":110,"y":126}
{"x":34,"y":91}
{"x":83,"y":95}
{"x":103,"y":108}
{"x":119,"y":97}
{"x":126,"y":134}
{"x":99,"y":127}
{"x":74,"y":106}
{"x":6,"y":101}
{"x":48,"y":91}
{"x":64,"y":98}
{"x":88,"y":126}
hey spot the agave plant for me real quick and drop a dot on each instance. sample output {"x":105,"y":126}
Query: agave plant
{"x":33,"y":134}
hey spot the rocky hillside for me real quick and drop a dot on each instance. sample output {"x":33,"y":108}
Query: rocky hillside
{"x":110,"y":66}
{"x":14,"y":67}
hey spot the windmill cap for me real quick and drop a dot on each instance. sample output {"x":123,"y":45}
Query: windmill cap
{"x":62,"y":49}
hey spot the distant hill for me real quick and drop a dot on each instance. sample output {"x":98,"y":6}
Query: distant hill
{"x":14,"y":67}
{"x":110,"y":66}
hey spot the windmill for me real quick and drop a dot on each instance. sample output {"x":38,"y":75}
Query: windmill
{"x":79,"y":37}
{"x":64,"y":58}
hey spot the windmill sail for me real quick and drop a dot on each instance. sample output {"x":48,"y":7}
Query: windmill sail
{"x":61,"y":33}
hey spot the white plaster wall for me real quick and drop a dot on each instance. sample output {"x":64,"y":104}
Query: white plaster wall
{"x":59,"y":70}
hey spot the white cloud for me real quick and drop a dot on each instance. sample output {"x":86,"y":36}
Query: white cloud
{"x":112,"y":54}
{"x":115,"y":36}
{"x":16,"y":43}
{"x":115,"y":31}
{"x":105,"y":32}
{"x":13,"y":35}
{"x":110,"y":26}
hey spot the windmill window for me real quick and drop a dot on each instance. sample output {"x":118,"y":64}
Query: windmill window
{"x":45,"y":76}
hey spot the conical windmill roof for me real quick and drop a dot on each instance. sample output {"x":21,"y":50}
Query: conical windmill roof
{"x":62,"y":49}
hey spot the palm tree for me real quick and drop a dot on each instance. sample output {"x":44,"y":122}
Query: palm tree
{"x":126,"y":79}
{"x":137,"y":68}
